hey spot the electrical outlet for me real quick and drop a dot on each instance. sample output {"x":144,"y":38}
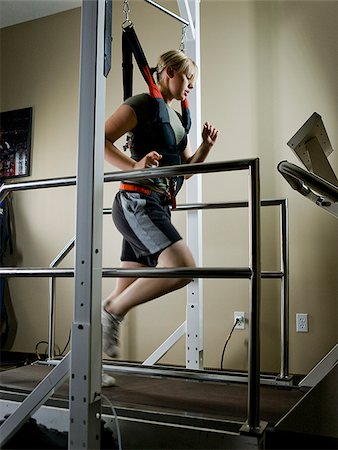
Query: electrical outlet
{"x":302,"y":323}
{"x":241,"y":317}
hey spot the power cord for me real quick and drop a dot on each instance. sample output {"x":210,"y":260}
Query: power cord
{"x":67,"y":343}
{"x":237,"y":321}
{"x":119,"y":440}
{"x":60,"y":353}
{"x":36,"y":349}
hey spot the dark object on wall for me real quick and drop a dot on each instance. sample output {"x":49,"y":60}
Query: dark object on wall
{"x":15,"y":143}
{"x":6,"y":247}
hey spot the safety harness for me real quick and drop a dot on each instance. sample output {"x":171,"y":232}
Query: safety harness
{"x":171,"y":152}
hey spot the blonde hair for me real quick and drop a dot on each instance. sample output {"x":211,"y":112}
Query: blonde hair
{"x":179,"y":62}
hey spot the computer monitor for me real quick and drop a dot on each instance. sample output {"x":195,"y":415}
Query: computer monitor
{"x":312,"y":146}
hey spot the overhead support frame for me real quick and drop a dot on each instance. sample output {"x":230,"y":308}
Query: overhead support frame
{"x":168,"y":12}
{"x":85,"y":357}
{"x":194,"y":225}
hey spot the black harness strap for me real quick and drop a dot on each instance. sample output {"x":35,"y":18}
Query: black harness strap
{"x":131,"y":46}
{"x":127,"y":68}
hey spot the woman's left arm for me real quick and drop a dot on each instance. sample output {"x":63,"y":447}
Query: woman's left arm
{"x":209,"y":137}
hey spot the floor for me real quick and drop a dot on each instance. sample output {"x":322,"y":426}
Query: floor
{"x":178,"y":398}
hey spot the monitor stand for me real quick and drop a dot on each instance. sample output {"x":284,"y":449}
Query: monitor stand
{"x":318,"y":162}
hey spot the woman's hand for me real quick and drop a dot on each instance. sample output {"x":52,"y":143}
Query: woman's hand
{"x":150,"y":160}
{"x":209,"y":134}
{"x":209,"y":138}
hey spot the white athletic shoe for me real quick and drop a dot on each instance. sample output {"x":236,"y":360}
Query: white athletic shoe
{"x":110,"y":334}
{"x":107,"y":380}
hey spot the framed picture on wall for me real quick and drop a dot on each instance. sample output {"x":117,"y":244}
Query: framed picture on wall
{"x":15,"y":143}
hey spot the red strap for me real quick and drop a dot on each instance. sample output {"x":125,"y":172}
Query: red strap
{"x":154,"y":90}
{"x":172,"y":193}
{"x":135,"y":188}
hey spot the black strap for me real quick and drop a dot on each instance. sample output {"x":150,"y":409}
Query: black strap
{"x":127,"y":68}
{"x":131,"y":46}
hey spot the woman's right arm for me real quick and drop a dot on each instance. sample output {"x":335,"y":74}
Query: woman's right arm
{"x":119,"y":123}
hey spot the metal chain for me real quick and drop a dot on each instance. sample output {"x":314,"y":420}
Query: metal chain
{"x":126,"y":10}
{"x":183,"y":38}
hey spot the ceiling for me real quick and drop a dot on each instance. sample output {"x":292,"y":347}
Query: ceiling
{"x":13,"y":12}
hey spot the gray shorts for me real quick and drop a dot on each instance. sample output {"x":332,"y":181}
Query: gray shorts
{"x":145,"y":224}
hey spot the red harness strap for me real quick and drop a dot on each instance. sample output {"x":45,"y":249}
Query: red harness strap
{"x":142,"y":190}
{"x":135,"y":188}
{"x":172,"y":192}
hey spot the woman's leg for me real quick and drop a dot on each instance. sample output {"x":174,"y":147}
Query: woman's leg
{"x":110,"y":323}
{"x":123,"y":283}
{"x":132,"y":292}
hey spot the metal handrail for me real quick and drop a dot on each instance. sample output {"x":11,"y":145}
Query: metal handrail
{"x":180,"y":272}
{"x":253,"y":421}
{"x":283,"y":274}
{"x":6,"y":188}
{"x":139,"y":174}
{"x":301,"y":180}
{"x":106,"y":273}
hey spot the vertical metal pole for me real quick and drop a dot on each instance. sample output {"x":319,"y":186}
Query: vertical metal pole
{"x":284,"y":230}
{"x":194,"y":313}
{"x":52,"y":298}
{"x":86,"y":360}
{"x":51,"y":319}
{"x":255,"y":295}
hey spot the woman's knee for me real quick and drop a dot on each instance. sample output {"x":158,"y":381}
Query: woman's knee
{"x":182,"y":282}
{"x":178,"y":255}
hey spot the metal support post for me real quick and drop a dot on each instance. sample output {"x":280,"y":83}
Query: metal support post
{"x":86,"y":356}
{"x":284,"y":227}
{"x":253,"y":424}
{"x":166,"y":345}
{"x":254,"y":314}
{"x":321,"y":369}
{"x":194,"y":312}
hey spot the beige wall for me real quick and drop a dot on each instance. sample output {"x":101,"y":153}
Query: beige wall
{"x":266,"y":67}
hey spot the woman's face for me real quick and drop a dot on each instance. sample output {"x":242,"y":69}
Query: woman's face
{"x":180,"y":84}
